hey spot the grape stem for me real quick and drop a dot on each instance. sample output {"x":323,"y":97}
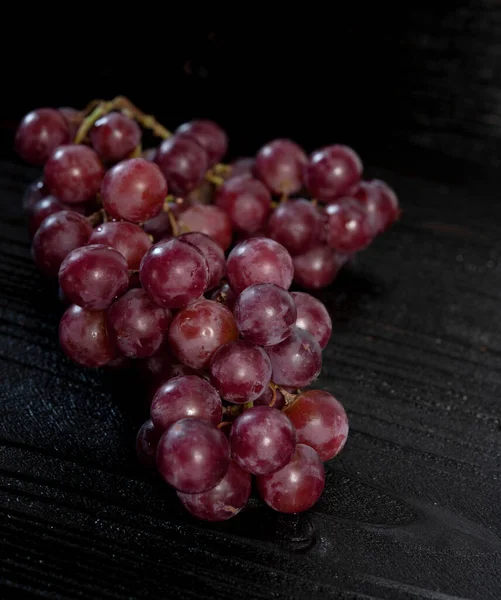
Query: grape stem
{"x":289,"y":398}
{"x":172,"y":219}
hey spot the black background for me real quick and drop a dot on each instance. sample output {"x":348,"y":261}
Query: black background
{"x":411,"y":509}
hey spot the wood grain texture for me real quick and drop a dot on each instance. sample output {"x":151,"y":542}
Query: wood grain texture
{"x":412,"y":506}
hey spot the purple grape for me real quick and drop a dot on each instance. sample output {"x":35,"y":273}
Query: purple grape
{"x":210,"y":220}
{"x":265,"y":314}
{"x":297,"y":486}
{"x":198,"y":330}
{"x":240,"y":371}
{"x":223,"y":501}
{"x":159,"y":227}
{"x":147,"y":440}
{"x":280,"y":165}
{"x":83,"y":337}
{"x":93,"y":276}
{"x":174,"y":273}
{"x":296,"y":225}
{"x":73,"y":174}
{"x":73,"y":119}
{"x":348,"y":227}
{"x":332,"y":172}
{"x":380,"y":204}
{"x":259,"y":260}
{"x":225,"y":295}
{"x":114,"y":137}
{"x":262,"y":440}
{"x":184,"y":397}
{"x":56,"y":237}
{"x":312,"y":316}
{"x":193,"y":456}
{"x":127,"y":238}
{"x":134,"y":190}
{"x":247,"y":201}
{"x":183,"y":163}
{"x":213,"y":253}
{"x":318,"y":267}
{"x":36,"y":191}
{"x":39,"y":134}
{"x":242,"y":166}
{"x":41,"y":210}
{"x":296,"y":361}
{"x":320,"y":421}
{"x":137,"y":326}
{"x":266,"y":399}
{"x":208,"y":135}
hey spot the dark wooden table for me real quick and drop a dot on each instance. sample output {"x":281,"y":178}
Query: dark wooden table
{"x":412,"y":508}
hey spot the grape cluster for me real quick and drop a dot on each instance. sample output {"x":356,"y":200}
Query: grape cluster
{"x":141,"y":244}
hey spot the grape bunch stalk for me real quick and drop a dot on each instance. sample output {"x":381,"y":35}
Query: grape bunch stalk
{"x":180,"y":266}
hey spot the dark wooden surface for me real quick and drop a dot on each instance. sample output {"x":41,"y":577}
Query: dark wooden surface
{"x":412,"y":507}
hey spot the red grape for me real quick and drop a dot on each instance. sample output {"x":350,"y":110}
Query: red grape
{"x":318,"y":267}
{"x":242,"y":166}
{"x":183,"y":163}
{"x":297,"y":486}
{"x":134,"y":190}
{"x":193,"y":456}
{"x":280,"y":165}
{"x":262,"y":440}
{"x":247,"y":202}
{"x":296,"y":361}
{"x":265,"y":314}
{"x":41,"y":210}
{"x":159,"y":227}
{"x":39,"y":134}
{"x":312,"y":316}
{"x":183,"y":397}
{"x":266,"y":399}
{"x":114,"y":137}
{"x":149,"y":154}
{"x":211,"y":220}
{"x":296,"y":225}
{"x":208,"y":135}
{"x":332,"y":172}
{"x":174,"y":273}
{"x":213,"y":253}
{"x":380,"y":203}
{"x":137,"y":326}
{"x":348,"y":227}
{"x":73,"y":119}
{"x":320,"y":421}
{"x":129,"y":239}
{"x":198,"y":330}
{"x":83,"y":337}
{"x":36,"y":191}
{"x":73,"y":174}
{"x":56,"y":237}
{"x":162,"y":366}
{"x":147,"y":440}
{"x":223,"y":501}
{"x":226,"y":295}
{"x":92,"y":276}
{"x":259,"y":260}
{"x":240,"y":371}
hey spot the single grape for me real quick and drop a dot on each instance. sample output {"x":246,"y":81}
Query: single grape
{"x":174,"y":273}
{"x":56,"y":237}
{"x":210,"y":220}
{"x":41,"y":210}
{"x":297,"y":486}
{"x":160,"y":367}
{"x":247,"y":201}
{"x":225,"y":295}
{"x":84,"y":338}
{"x":240,"y":371}
{"x":39,"y":134}
{"x":133,"y":190}
{"x":213,"y":253}
{"x":193,"y":456}
{"x":259,"y":260}
{"x":136,"y":325}
{"x":265,"y":314}
{"x":380,"y":203}
{"x":267,"y":398}
{"x":297,"y":361}
{"x":147,"y":440}
{"x":320,"y":421}
{"x":390,"y":202}
{"x":127,"y":238}
{"x":208,"y":135}
{"x":223,"y":501}
{"x":36,"y":191}
{"x":149,"y":154}
{"x":242,"y":166}
{"x":198,"y":330}
{"x":332,"y":171}
{"x":296,"y":225}
{"x":73,"y":174}
{"x":159,"y":227}
{"x":318,"y":267}
{"x":348,"y":227}
{"x":312,"y":316}
{"x":73,"y":119}
{"x":262,"y":440}
{"x":114,"y":137}
{"x":92,"y":276}
{"x":183,"y":163}
{"x":184,"y":397}
{"x":280,"y":165}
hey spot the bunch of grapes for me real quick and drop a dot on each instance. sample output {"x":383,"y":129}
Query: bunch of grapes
{"x":141,"y":244}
